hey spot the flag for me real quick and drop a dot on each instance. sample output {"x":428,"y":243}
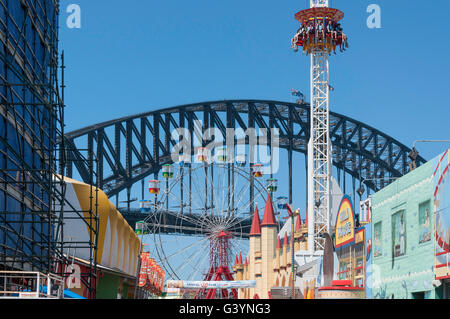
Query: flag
{"x":294,"y":92}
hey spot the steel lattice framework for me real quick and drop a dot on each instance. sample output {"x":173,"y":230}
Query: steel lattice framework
{"x":33,"y":207}
{"x":320,"y":159}
{"x":319,"y":153}
{"x":131,"y":148}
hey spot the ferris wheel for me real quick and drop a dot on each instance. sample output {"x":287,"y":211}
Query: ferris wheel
{"x":195,"y":206}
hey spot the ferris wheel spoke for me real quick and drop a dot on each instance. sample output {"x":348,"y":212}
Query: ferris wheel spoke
{"x":166,"y":266}
{"x":196,"y":265}
{"x":219,"y":199}
{"x":228,"y":207}
{"x":198,"y":242}
{"x":245,"y":208}
{"x":195,"y":268}
{"x":199,"y":191}
{"x":235,"y":218}
{"x":197,"y":199}
{"x":188,"y":260}
{"x":224,"y":210}
{"x":215,"y":204}
{"x":183,"y":216}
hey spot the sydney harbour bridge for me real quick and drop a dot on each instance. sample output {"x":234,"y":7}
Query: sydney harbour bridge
{"x":132,"y":148}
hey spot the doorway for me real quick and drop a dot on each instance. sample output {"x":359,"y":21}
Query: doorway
{"x":418,"y":295}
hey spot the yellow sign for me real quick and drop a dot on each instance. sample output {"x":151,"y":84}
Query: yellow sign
{"x":359,"y":237}
{"x":345,"y":224}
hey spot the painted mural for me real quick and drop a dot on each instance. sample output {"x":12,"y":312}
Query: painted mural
{"x":399,"y":233}
{"x":377,"y":244}
{"x":402,"y":236}
{"x":369,"y":256}
{"x":442,"y":215}
{"x":424,"y":222}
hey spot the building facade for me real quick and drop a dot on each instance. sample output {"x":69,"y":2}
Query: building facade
{"x":118,"y":247}
{"x":269,"y":261}
{"x":29,"y":125}
{"x":410,"y":234}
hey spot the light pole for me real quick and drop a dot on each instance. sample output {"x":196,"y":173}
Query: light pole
{"x":297,"y":213}
{"x":414,"y":153}
{"x":361,"y":189}
{"x":429,"y":141}
{"x":141,"y":249}
{"x":292,"y":215}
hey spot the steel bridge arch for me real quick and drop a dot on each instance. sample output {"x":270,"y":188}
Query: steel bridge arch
{"x":136,"y":146}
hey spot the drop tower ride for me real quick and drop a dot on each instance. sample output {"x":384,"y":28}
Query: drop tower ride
{"x":320,"y":34}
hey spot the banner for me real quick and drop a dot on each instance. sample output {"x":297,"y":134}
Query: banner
{"x":211,"y":284}
{"x":151,"y":275}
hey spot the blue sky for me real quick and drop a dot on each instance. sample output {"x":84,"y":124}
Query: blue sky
{"x":135,"y":56}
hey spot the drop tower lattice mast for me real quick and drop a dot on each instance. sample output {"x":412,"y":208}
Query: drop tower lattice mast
{"x":319,"y":35}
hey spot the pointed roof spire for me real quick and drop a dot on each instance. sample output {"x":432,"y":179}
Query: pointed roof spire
{"x":298,"y":223}
{"x":285,"y":241}
{"x":256,"y":224}
{"x":246,"y":262}
{"x":278,"y":243}
{"x":240,"y":258}
{"x":236,"y":260}
{"x":269,"y":216}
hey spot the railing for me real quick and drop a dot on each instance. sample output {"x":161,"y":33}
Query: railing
{"x":30,"y":285}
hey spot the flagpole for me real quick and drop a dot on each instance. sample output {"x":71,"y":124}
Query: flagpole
{"x":292,"y":215}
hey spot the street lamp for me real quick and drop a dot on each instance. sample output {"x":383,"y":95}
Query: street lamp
{"x":413,"y":156}
{"x":414,"y":153}
{"x":362,"y":190}
{"x":429,"y":141}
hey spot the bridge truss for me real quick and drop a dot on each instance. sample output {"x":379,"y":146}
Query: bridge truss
{"x":132,"y":148}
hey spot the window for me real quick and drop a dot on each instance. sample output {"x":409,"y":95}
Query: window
{"x":399,"y":233}
{"x":344,"y":270}
{"x":377,"y":247}
{"x":424,"y":222}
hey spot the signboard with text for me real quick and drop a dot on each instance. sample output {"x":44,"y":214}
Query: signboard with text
{"x":345,"y":224}
{"x":211,"y":284}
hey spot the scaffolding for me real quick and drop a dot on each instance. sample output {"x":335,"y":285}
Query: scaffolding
{"x":32,"y":193}
{"x":30,"y":285}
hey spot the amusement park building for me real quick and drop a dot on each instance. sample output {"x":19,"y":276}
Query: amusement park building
{"x":399,"y":249}
{"x":411,"y":232}
{"x":118,"y":246}
{"x":269,"y":261}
